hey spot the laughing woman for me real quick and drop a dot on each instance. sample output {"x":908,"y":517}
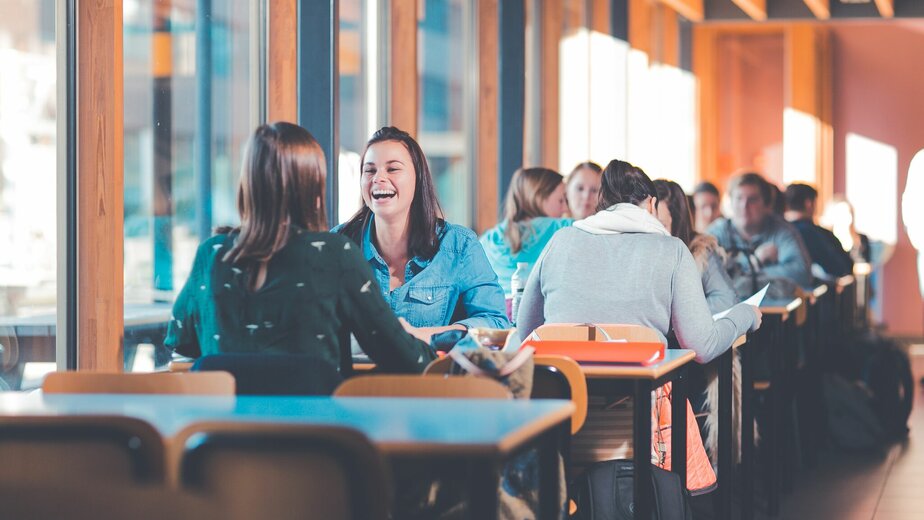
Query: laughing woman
{"x":425,"y":266}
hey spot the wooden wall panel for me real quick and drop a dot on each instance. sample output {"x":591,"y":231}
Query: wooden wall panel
{"x":600,"y":16}
{"x":705,"y":68}
{"x":640,"y":25}
{"x":403,"y":100}
{"x":100,"y":212}
{"x":282,"y":83}
{"x":553,"y":14}
{"x":487,"y":196}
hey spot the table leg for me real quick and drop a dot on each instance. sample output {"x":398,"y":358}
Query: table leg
{"x":747,"y":425}
{"x":772,"y":439}
{"x":725,"y":454}
{"x":549,"y":444}
{"x":679,"y":424}
{"x":641,"y":437}
{"x":484,"y":483}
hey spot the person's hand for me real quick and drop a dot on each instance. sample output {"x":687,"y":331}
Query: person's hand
{"x":421,"y":333}
{"x":767,"y":253}
{"x":758,"y":318}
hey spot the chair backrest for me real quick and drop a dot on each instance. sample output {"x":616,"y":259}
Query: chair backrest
{"x":66,"y":450}
{"x":554,"y":377}
{"x":283,"y":471}
{"x":559,"y":377}
{"x":275,"y":374}
{"x":566,"y":331}
{"x":422,"y":386}
{"x":212,"y":383}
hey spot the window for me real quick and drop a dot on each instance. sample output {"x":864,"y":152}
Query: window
{"x":360,"y":103}
{"x":189,"y":93}
{"x":28,"y":183}
{"x":445,"y":55}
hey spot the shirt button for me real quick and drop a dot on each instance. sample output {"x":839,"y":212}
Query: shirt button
{"x":429,"y":297}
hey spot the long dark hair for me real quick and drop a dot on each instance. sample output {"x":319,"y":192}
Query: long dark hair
{"x":529,"y":188}
{"x":423,"y":239}
{"x":670,"y":193}
{"x":623,"y":182}
{"x":282,"y":185}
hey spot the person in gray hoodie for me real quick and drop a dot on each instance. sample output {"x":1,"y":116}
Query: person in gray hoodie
{"x":621,"y":265}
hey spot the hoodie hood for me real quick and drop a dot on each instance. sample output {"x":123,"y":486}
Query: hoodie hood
{"x":622,"y":218}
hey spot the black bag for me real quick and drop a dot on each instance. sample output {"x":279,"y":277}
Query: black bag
{"x":604,"y":492}
{"x":852,"y":421}
{"x":888,"y":376}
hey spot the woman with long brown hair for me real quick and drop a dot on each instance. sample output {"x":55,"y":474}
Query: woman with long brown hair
{"x":425,"y":267}
{"x":532,"y":214}
{"x":279,"y":282}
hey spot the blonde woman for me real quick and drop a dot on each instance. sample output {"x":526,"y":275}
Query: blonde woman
{"x":532,"y":214}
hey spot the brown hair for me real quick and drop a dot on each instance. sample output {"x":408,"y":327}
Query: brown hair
{"x":423,"y":240}
{"x":670,"y":193}
{"x":529,"y":188}
{"x":752,"y":179}
{"x":586,"y":165}
{"x":623,"y":182}
{"x":282,"y":185}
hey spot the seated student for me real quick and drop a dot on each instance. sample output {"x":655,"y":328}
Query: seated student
{"x":279,"y":283}
{"x":824,"y":248}
{"x":621,"y":265}
{"x":424,"y":265}
{"x":705,"y":207}
{"x":674,"y":214}
{"x":583,"y":189}
{"x":761,"y":246}
{"x":532,"y":214}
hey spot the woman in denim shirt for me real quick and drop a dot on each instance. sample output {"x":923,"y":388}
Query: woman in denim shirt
{"x":425,"y":266}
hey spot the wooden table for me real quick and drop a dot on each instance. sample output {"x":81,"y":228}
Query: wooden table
{"x":643,"y":380}
{"x":477,"y":433}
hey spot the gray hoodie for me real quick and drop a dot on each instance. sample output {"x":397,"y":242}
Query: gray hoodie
{"x":621,"y":266}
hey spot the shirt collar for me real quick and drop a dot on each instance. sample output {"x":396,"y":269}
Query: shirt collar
{"x":371,"y":253}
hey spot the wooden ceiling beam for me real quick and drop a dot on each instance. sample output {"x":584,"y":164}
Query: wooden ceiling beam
{"x":886,"y":8}
{"x":820,"y":8}
{"x":756,"y":9}
{"x":690,"y":9}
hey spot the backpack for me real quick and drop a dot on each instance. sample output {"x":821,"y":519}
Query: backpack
{"x":852,"y":422}
{"x":605,"y":492}
{"x":888,"y":375}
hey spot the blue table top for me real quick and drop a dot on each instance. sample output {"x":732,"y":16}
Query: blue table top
{"x":395,"y":425}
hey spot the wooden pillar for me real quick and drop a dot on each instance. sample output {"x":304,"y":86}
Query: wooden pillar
{"x":100,"y":186}
{"x":487,"y":153}
{"x":282,"y":84}
{"x":403,"y":95}
{"x":705,"y":68}
{"x":552,"y":21}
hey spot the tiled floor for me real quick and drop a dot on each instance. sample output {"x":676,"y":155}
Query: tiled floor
{"x":888,"y":486}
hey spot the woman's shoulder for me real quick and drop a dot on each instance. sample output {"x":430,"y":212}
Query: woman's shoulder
{"x":551,"y":222}
{"x":455,"y":238}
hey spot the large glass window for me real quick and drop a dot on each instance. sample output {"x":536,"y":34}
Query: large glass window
{"x":445,"y":47}
{"x":360,"y":95}
{"x":28,"y":183}
{"x":188,"y":115}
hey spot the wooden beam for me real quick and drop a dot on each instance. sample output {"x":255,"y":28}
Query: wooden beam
{"x":690,"y":9}
{"x":705,"y":68}
{"x":553,"y":14}
{"x":886,"y":8}
{"x":282,"y":95}
{"x":100,"y":186}
{"x":820,"y":8}
{"x":756,"y":9}
{"x":486,"y":186}
{"x":403,"y":95}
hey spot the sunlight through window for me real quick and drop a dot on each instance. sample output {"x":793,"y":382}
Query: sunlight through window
{"x":872,"y":186}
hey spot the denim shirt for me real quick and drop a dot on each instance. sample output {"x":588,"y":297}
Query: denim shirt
{"x":459,"y":273}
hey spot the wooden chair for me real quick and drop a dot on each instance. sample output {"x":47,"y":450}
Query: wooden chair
{"x":282,"y":471}
{"x":204,"y":383}
{"x":554,"y":377}
{"x":67,"y":450}
{"x":422,"y":386}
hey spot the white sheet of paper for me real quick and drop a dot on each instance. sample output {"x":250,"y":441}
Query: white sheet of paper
{"x":754,"y":300}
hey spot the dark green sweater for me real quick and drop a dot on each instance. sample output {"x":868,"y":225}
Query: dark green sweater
{"x":318,"y":289}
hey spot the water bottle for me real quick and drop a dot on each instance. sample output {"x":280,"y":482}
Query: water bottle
{"x":517,"y":285}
